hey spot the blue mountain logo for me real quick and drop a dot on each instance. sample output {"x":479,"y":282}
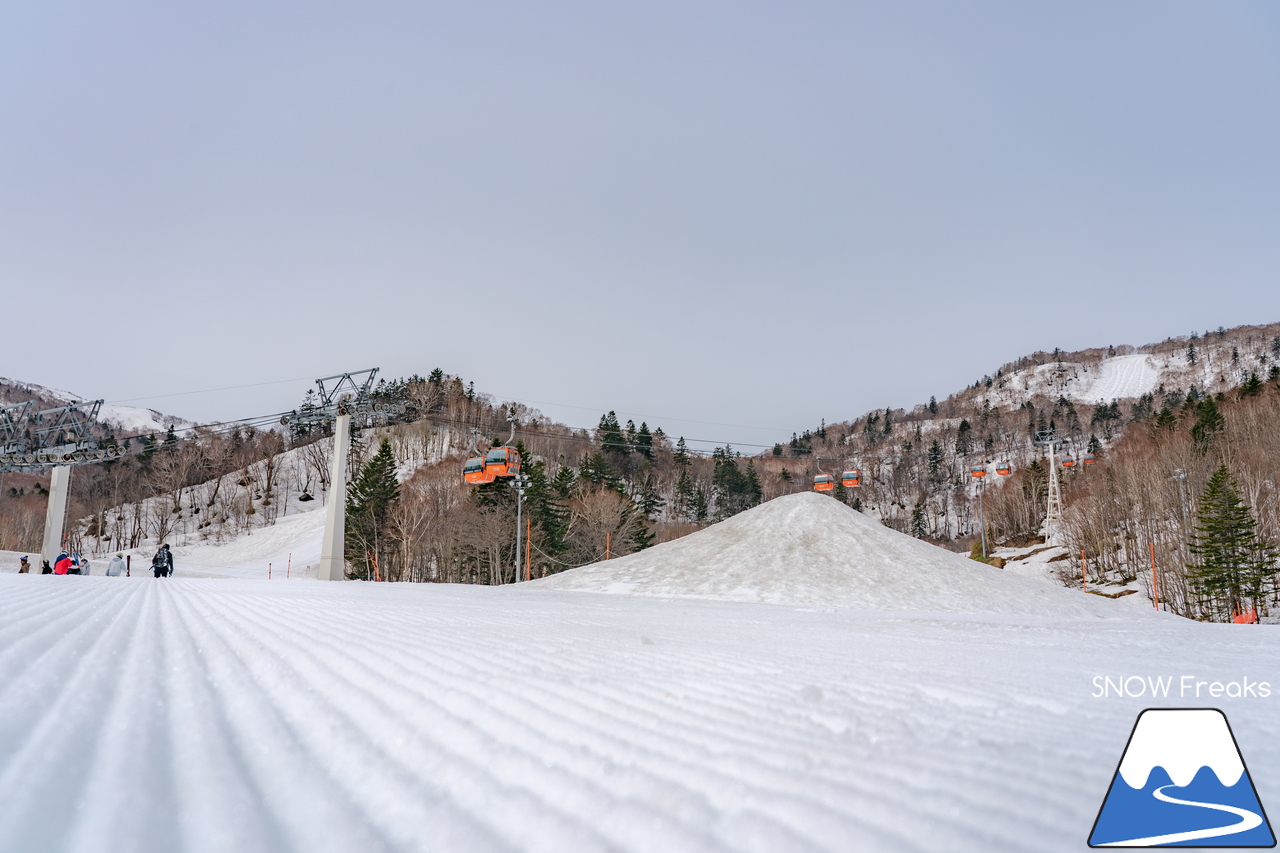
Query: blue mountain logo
{"x":1182,"y":783}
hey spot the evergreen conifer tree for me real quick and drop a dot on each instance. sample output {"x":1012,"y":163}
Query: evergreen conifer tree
{"x":933,"y":405}
{"x":681,"y":456}
{"x":699,"y":508}
{"x":963,"y":438}
{"x":934,"y":458}
{"x":609,"y":434}
{"x":370,"y":499}
{"x":684,"y":493}
{"x":754,"y":490}
{"x":644,"y":441}
{"x":1209,"y":424}
{"x":1233,"y":564}
{"x":918,"y":527}
{"x":1252,"y":386}
{"x":595,"y":469}
{"x":546,"y":501}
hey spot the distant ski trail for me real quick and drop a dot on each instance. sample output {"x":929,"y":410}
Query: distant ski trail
{"x":1248,"y":820}
{"x":1122,"y":377}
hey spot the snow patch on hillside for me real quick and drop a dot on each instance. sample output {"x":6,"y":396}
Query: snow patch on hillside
{"x":1120,"y":378}
{"x":133,"y":420}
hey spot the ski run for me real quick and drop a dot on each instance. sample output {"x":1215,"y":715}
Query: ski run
{"x":798,"y":678}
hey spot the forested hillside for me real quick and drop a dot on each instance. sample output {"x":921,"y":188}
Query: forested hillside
{"x":1200,"y":402}
{"x":1184,"y":408}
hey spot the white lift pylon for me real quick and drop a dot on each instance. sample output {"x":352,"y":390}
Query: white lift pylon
{"x":333,"y":565}
{"x":59,"y":486}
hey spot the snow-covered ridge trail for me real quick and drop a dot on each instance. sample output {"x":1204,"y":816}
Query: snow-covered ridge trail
{"x":230,"y":715}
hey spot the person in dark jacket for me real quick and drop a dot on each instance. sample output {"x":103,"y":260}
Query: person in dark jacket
{"x":162,"y":562}
{"x":45,"y":568}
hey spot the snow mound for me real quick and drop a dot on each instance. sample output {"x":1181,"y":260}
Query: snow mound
{"x":810,"y":550}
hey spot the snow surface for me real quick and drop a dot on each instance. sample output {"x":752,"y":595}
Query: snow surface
{"x":290,"y":546}
{"x":907,"y":699}
{"x":131,"y":419}
{"x":808,"y":549}
{"x":1120,"y":378}
{"x":231,"y":715}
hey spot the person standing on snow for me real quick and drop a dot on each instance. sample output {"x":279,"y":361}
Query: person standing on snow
{"x":162,"y":562}
{"x":23,"y":566}
{"x":62,"y":565}
{"x":116,"y":567}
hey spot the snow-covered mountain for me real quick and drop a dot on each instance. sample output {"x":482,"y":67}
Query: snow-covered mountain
{"x":1213,"y":362}
{"x":122,"y":420}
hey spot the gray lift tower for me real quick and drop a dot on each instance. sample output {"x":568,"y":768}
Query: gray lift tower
{"x":340,"y":397}
{"x":53,"y":439}
{"x":1053,"y":512}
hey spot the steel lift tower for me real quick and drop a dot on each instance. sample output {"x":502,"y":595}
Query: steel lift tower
{"x":54,"y":439}
{"x":347,"y":394}
{"x":1053,"y":512}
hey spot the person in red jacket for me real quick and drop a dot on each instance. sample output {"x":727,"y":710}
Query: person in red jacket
{"x":62,"y":565}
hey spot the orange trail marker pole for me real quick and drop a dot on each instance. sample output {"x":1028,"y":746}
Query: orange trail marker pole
{"x":606,"y":544}
{"x":1155,"y":589}
{"x":528,"y":549}
{"x":1084,"y":574}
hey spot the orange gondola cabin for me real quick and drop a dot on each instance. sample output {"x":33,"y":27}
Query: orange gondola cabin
{"x":978,"y":471}
{"x":1088,"y":459}
{"x":502,"y":462}
{"x":473,"y":471}
{"x":823,"y":483}
{"x":851,"y":479}
{"x":1068,"y":462}
{"x":1003,"y":469}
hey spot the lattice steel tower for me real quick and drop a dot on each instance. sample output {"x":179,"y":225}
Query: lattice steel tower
{"x":1051,"y":438}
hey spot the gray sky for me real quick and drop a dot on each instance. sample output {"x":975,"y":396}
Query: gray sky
{"x":744,"y":214}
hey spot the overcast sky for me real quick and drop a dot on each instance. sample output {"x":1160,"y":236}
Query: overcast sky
{"x":741,"y":215}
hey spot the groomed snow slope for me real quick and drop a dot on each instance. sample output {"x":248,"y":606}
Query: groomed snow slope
{"x":807,"y":549}
{"x":1121,"y":378}
{"x":253,"y":717}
